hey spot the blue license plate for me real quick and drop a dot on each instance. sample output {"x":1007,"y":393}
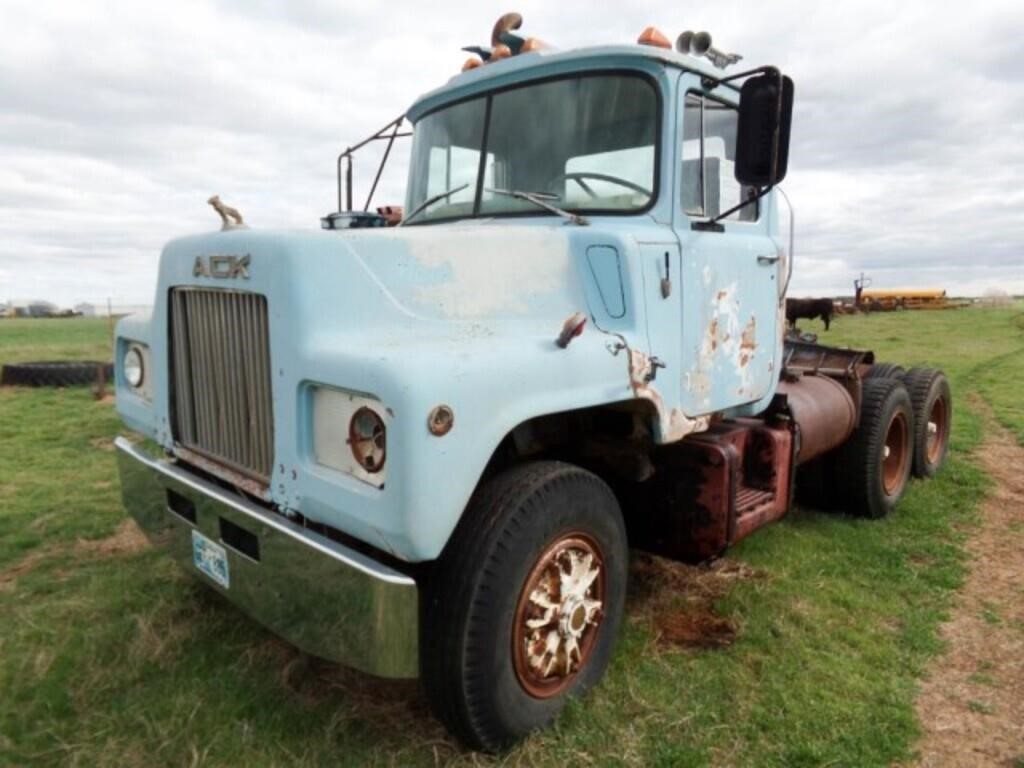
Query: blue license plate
{"x":210,"y":558}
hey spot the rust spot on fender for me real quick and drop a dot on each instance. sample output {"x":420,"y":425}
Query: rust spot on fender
{"x":673,"y":424}
{"x":713,"y":333}
{"x":748,"y":341}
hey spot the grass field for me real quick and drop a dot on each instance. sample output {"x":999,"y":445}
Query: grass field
{"x":110,"y":656}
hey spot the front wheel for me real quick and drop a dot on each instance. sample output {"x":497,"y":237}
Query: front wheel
{"x":522,"y":609}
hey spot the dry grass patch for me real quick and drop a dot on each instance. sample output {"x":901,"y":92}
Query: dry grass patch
{"x":128,"y":539}
{"x":678,"y":601}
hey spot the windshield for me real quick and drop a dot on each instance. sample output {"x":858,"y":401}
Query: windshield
{"x":588,"y":141}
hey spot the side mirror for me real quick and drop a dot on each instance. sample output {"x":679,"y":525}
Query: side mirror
{"x":762,"y":135}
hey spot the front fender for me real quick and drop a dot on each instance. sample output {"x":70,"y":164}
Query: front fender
{"x":492,"y":382}
{"x":137,"y":412}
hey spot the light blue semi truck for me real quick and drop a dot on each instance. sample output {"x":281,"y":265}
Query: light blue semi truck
{"x":426,"y":449}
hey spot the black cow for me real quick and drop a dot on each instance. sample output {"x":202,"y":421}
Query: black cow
{"x":809,"y":309}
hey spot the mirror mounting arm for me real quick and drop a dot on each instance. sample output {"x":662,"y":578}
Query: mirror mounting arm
{"x":712,"y":225}
{"x":388,"y":133}
{"x":709,"y":81}
{"x":743,"y":204}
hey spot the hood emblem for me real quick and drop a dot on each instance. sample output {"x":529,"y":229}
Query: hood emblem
{"x":221,"y":266}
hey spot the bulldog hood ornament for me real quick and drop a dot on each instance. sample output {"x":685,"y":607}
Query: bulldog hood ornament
{"x":230,"y":217}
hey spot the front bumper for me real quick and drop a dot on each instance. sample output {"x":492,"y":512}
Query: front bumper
{"x":324,"y":598}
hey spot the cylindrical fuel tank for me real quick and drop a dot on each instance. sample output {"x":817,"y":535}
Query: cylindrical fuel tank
{"x":824,"y":411}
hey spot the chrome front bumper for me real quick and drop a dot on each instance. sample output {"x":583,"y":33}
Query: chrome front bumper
{"x":324,"y":598}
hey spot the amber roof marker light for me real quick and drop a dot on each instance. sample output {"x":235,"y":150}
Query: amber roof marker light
{"x":653,"y":36}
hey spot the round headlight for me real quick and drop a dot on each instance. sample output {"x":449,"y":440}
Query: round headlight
{"x":134,"y":371}
{"x":367,"y":438}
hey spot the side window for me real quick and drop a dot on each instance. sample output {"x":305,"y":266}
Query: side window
{"x":709,"y":141}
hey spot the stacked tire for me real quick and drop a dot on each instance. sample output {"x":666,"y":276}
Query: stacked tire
{"x":55,"y":374}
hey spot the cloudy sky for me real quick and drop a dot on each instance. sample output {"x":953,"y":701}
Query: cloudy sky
{"x":119,"y":119}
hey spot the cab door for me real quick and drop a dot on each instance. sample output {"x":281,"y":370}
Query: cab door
{"x":730,"y":270}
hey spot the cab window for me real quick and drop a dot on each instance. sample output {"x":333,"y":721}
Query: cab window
{"x":709,"y":184}
{"x":585,"y":143}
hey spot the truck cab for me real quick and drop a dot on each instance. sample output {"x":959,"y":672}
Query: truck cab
{"x":424,"y":449}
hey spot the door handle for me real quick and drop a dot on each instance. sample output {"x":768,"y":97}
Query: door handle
{"x":765,"y":259}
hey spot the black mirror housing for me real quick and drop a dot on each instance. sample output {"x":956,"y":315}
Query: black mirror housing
{"x":762,"y":135}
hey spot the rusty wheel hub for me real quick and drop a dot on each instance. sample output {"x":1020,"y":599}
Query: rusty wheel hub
{"x":558,"y":615}
{"x":938,"y":431}
{"x":895,"y":455}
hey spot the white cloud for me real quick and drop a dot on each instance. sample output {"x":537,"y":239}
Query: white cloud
{"x":119,"y":119}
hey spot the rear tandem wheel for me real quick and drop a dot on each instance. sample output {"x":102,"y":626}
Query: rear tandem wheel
{"x":885,"y":371}
{"x":933,"y":414}
{"x":874,"y":464}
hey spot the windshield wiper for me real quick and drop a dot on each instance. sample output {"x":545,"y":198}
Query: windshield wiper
{"x":430,"y":201}
{"x":542,"y":199}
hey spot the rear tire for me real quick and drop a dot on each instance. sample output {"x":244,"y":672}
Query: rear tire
{"x":875,"y":462}
{"x":886,"y":371}
{"x":933,"y":415}
{"x":538,"y":562}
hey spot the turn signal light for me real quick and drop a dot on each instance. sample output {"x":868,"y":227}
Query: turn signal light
{"x":653,"y":36}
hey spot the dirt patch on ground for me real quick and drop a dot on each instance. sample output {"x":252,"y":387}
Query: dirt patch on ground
{"x":102,"y":443}
{"x":126,"y":540}
{"x":9,"y":576}
{"x":678,"y":600}
{"x":971,"y":706}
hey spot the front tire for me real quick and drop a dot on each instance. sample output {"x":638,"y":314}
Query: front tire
{"x":523,"y":607}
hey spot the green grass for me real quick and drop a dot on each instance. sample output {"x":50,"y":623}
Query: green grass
{"x":113,"y":657}
{"x":79,"y":338}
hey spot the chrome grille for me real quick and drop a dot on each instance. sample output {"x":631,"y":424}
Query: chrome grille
{"x":220,"y":368}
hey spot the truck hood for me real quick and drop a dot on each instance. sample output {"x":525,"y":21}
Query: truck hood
{"x":431,"y":274}
{"x":427,"y":278}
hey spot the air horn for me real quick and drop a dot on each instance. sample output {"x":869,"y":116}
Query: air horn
{"x":699,"y":44}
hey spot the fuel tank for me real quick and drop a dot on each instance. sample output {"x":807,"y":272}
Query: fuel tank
{"x":823,"y":410}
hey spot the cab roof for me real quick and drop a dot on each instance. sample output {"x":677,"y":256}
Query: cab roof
{"x":551,"y":62}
